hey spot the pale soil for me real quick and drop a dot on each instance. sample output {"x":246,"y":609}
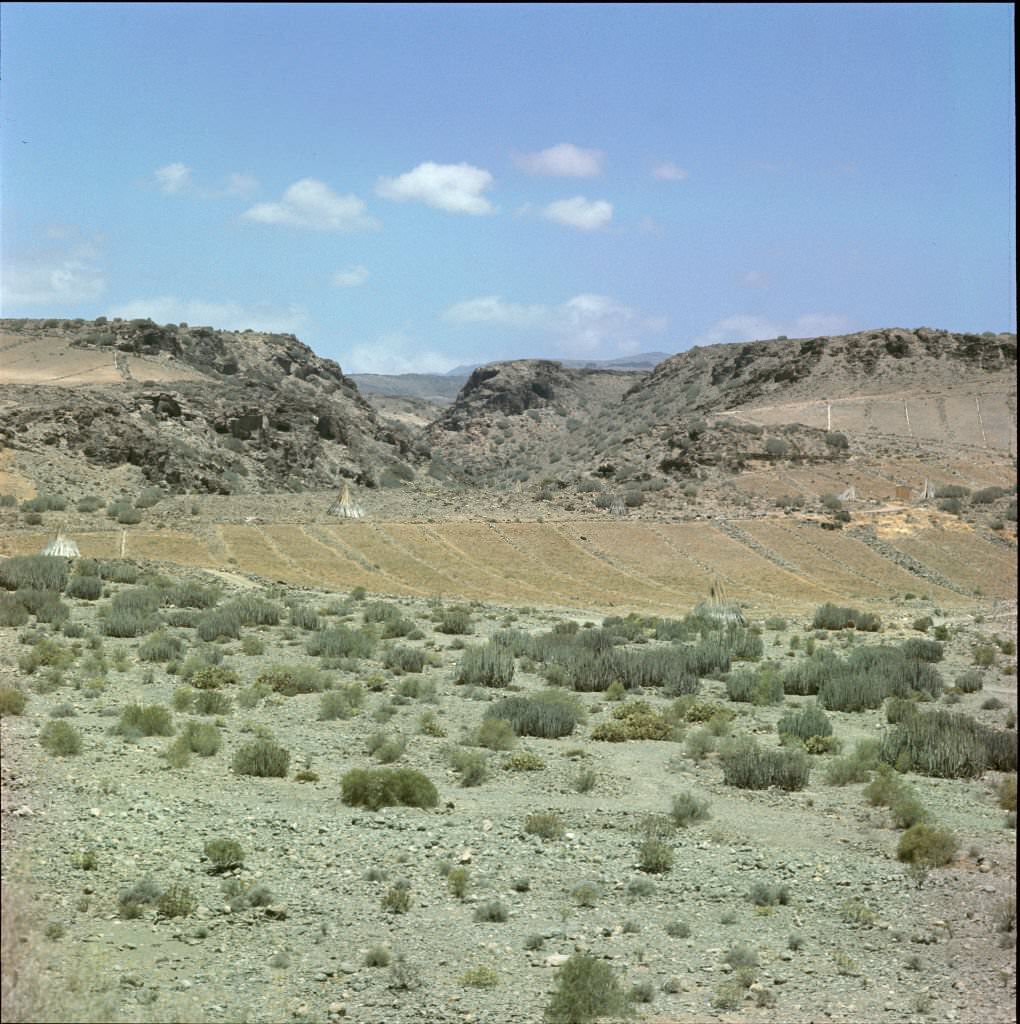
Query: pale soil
{"x":824,"y":843}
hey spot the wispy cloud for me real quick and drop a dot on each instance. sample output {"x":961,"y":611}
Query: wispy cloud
{"x":751,"y":327}
{"x":350,"y":277}
{"x":173,"y":178}
{"x":563,"y":161}
{"x":667,"y":171}
{"x":395,"y":352}
{"x":586,"y":325}
{"x":178,"y":179}
{"x":756,"y":279}
{"x":54,"y":277}
{"x":580,"y":213}
{"x":314,"y":206}
{"x":226,"y":315}
{"x":455,"y":188}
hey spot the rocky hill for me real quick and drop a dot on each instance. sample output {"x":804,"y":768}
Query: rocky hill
{"x":186,"y":408}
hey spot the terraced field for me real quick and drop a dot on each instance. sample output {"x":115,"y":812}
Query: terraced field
{"x":768,"y":564}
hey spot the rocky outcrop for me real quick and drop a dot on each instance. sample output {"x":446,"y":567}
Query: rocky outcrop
{"x":264,"y":414}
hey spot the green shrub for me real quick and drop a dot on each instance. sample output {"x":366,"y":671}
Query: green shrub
{"x":686,"y":809}
{"x":161,"y":647}
{"x":211,"y":677}
{"x":454,"y":621}
{"x":34,"y":572}
{"x":948,"y":745}
{"x":293,"y":679}
{"x":262,"y":758}
{"x":495,"y":734}
{"x":60,"y":738}
{"x":548,"y":714}
{"x":340,"y":642}
{"x":922,"y":649}
{"x":90,"y":503}
{"x":148,"y":497}
{"x":12,"y":611}
{"x":118,"y":572}
{"x":12,"y":701}
{"x":202,"y":738}
{"x":492,"y":911}
{"x":489,"y":665}
{"x":211,"y":702}
{"x":586,"y":989}
{"x":524,"y":761}
{"x":334,"y":705}
{"x":748,"y":766}
{"x":655,"y":855}
{"x":136,"y":720}
{"x":458,"y":880}
{"x":224,"y":854}
{"x":84,"y":588}
{"x":927,"y":846}
{"x":471,"y":765}
{"x":831,"y":617}
{"x":387,"y":787}
{"x":254,"y":611}
{"x":761,"y":687}
{"x":767,"y":894}
{"x":188,"y":594}
{"x":44,"y":503}
{"x":176,"y":901}
{"x":545,"y":825}
{"x":219,"y":624}
{"x":404,"y":659}
{"x":384,"y":748}
{"x":803,"y":724}
{"x":857,"y":767}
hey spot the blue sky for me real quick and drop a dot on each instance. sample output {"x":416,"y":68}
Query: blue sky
{"x":408,"y":188}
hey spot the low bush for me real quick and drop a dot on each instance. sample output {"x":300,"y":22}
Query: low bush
{"x":292,"y":679}
{"x":545,"y":825}
{"x":927,"y":846}
{"x":340,"y":642}
{"x":803,"y":724}
{"x":224,"y":854}
{"x":767,"y":894}
{"x":211,"y":677}
{"x":495,"y":734}
{"x":385,"y":748}
{"x":455,"y":621}
{"x":687,"y":809}
{"x":386,"y":787}
{"x":12,"y":701}
{"x":60,"y":738}
{"x":833,"y":617}
{"x":746,"y":765}
{"x":211,"y":702}
{"x":471,"y":765}
{"x":84,"y":588}
{"x":202,"y":738}
{"x":947,"y":745}
{"x":490,"y":665}
{"x":587,"y":988}
{"x":492,"y":911}
{"x":262,"y":758}
{"x":548,"y":714}
{"x":404,"y":659}
{"x":12,"y":611}
{"x":762,"y":687}
{"x":34,"y":572}
{"x":161,"y":647}
{"x":136,"y":720}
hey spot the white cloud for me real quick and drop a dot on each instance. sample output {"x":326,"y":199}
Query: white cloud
{"x":227,"y":316}
{"x":749,"y":327}
{"x":491,"y":309}
{"x":395,"y":353}
{"x":669,"y":172}
{"x":580,"y":213}
{"x":313,"y":205}
{"x":585,"y":326}
{"x":350,"y":277}
{"x":564,"y":161}
{"x":173,"y":179}
{"x":241,"y":185}
{"x":756,"y":279}
{"x":178,"y":179}
{"x":56,"y":277}
{"x":456,"y":188}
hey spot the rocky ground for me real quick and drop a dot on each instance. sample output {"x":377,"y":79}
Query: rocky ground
{"x":858,"y":940}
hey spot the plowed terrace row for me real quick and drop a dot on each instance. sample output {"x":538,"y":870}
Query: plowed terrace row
{"x":664,"y":568}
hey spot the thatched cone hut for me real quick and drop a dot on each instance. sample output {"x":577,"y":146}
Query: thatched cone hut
{"x":343,"y":506}
{"x":61,"y":547}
